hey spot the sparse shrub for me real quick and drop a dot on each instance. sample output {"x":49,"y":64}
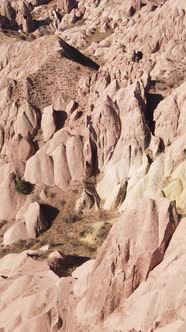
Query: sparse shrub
{"x":71,"y":218}
{"x":62,"y":202}
{"x":23,"y":187}
{"x":52,"y":195}
{"x":82,"y":233}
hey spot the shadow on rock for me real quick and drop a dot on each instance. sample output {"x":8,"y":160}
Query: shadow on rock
{"x":49,"y":212}
{"x":65,"y":266}
{"x":73,"y":54}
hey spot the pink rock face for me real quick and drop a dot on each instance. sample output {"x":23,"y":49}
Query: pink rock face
{"x":24,"y":148}
{"x":169,"y":116}
{"x":136,"y":5}
{"x":106,"y":130}
{"x":39,"y":169}
{"x":64,"y":159}
{"x":71,"y":107}
{"x":9,"y":198}
{"x":33,"y":311}
{"x":62,"y":176}
{"x":15,"y":233}
{"x":107,"y":292}
{"x":26,"y":18}
{"x":108,"y":139}
{"x":32,"y":222}
{"x":157,"y":305}
{"x":74,"y":154}
{"x":135,"y":245}
{"x":131,"y":103}
{"x":48,"y":125}
{"x":35,"y":220}
{"x":27,"y":121}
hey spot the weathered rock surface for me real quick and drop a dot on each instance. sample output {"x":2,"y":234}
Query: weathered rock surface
{"x":136,"y":244}
{"x":48,"y":125}
{"x":158,"y":293}
{"x":39,"y":169}
{"x":92,"y":112}
{"x":34,"y":306}
{"x":8,"y":198}
{"x":125,"y":269}
{"x":33,"y":221}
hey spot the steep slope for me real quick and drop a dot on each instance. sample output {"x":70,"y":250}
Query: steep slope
{"x":92,"y":133}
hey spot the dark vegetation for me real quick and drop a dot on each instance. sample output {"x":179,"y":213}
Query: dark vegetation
{"x":24,"y":187}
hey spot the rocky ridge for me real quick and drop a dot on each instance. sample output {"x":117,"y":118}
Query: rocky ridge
{"x":92,"y":104}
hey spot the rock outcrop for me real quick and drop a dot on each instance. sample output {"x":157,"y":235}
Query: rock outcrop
{"x":69,"y":5}
{"x":73,"y":54}
{"x":32,"y":220}
{"x":134,"y":247}
{"x":126,"y":266}
{"x":14,"y":266}
{"x":92,"y":117}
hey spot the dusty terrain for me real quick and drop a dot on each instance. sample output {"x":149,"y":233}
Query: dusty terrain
{"x":92,"y":165}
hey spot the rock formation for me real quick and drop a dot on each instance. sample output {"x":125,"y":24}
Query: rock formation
{"x":92,"y":128}
{"x":26,"y":21}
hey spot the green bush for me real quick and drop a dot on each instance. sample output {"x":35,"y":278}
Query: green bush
{"x":23,"y":187}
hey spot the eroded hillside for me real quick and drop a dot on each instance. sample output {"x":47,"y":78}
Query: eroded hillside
{"x":92,"y":165}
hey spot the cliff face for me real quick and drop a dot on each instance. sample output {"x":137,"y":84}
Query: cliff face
{"x":92,"y":133}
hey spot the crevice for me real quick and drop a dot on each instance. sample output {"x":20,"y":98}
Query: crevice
{"x":95,"y":168}
{"x":153,"y":100}
{"x":59,"y":119}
